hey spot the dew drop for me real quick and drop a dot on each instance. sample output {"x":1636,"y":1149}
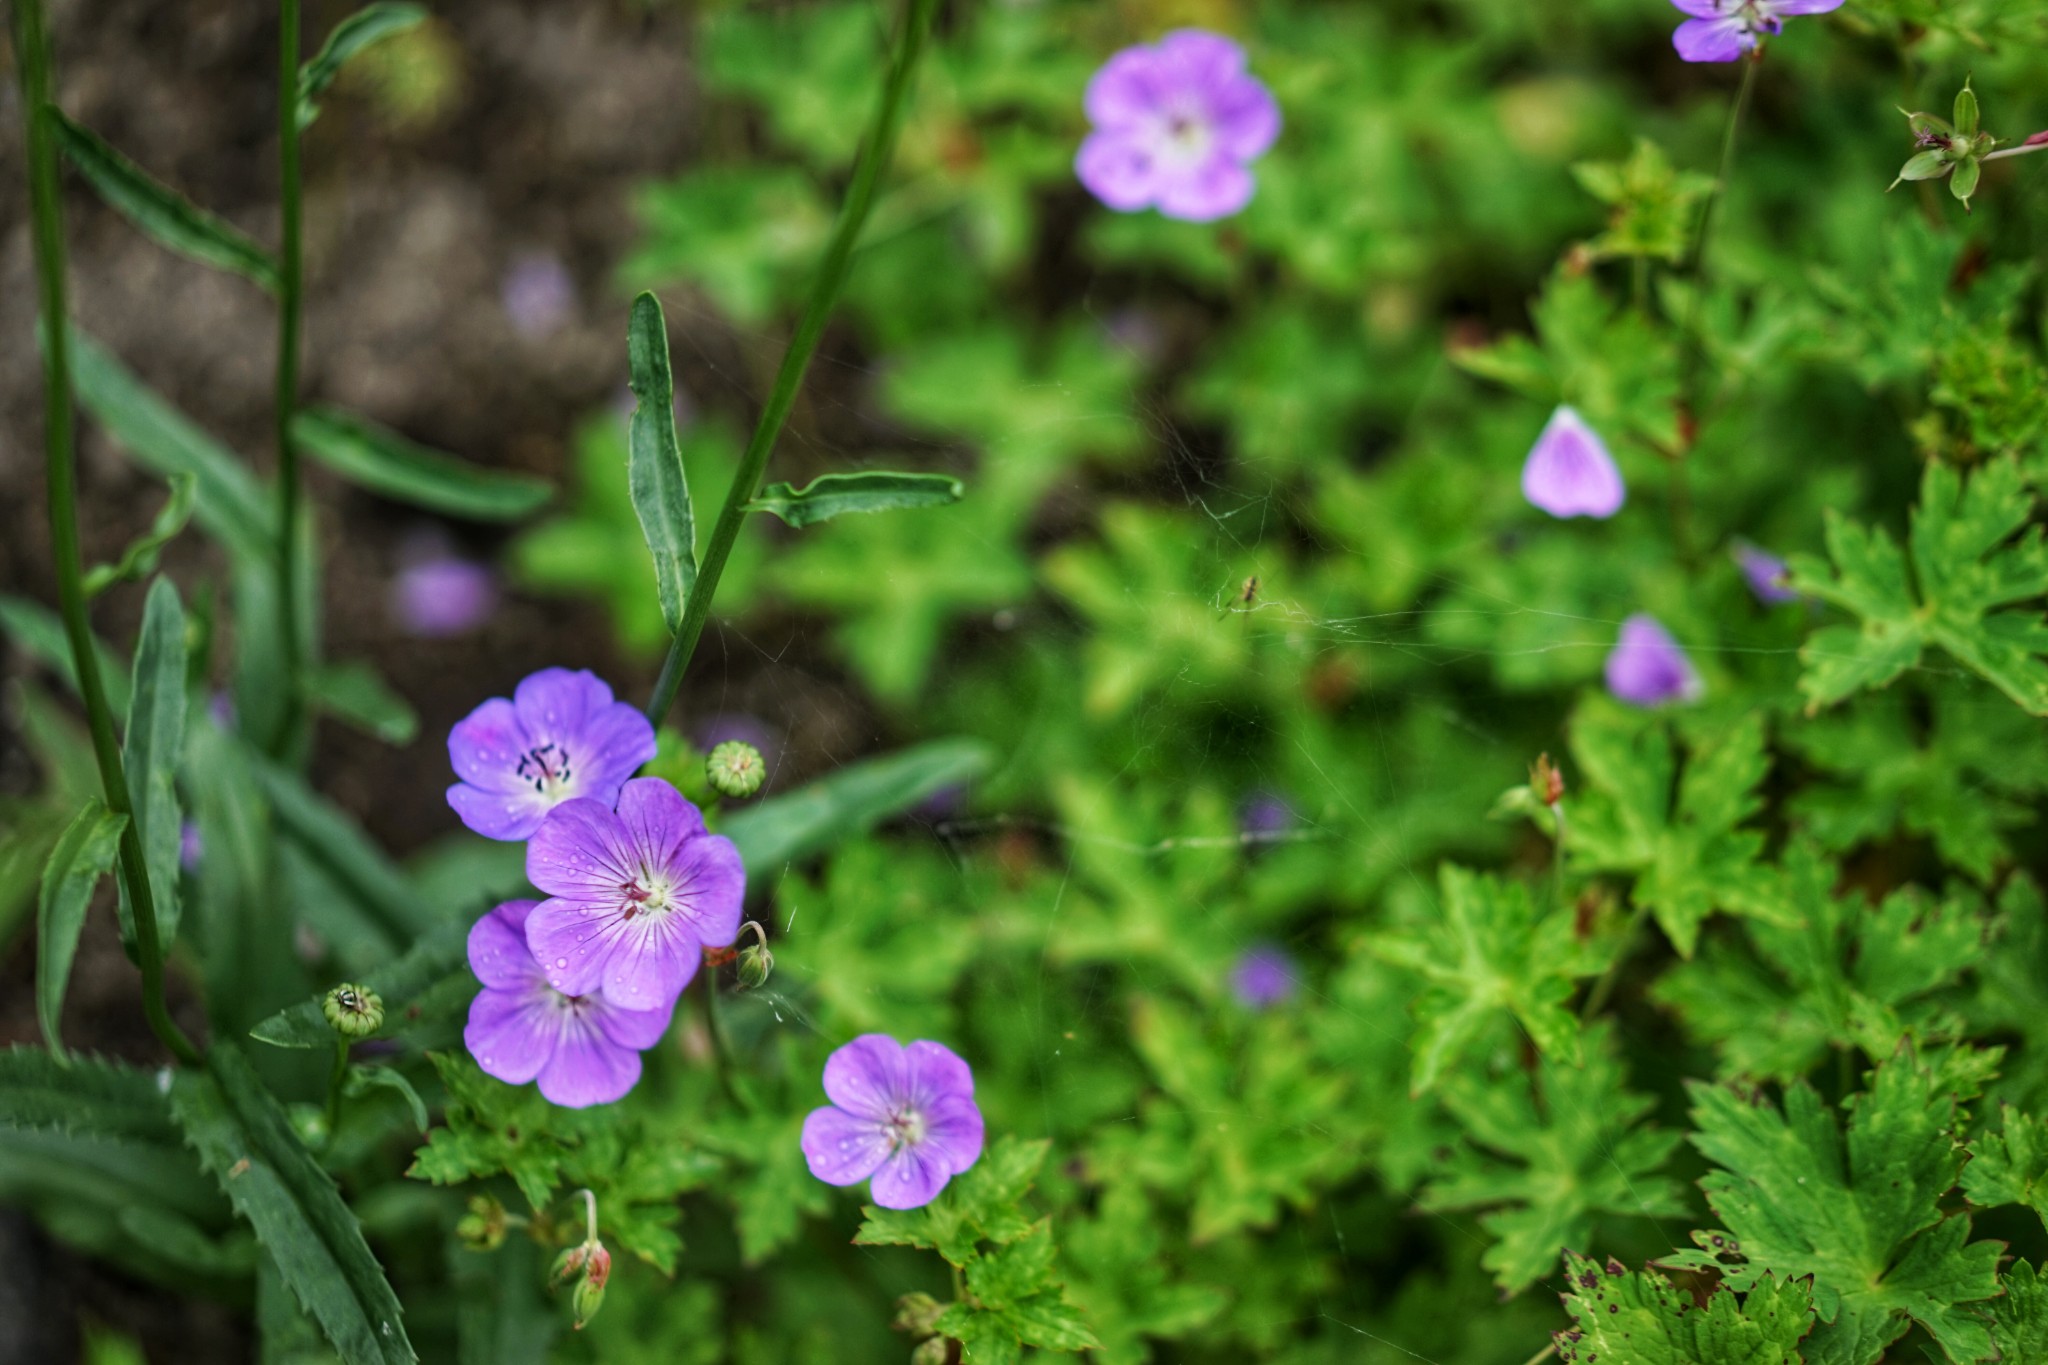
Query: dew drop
{"x":561,"y":962}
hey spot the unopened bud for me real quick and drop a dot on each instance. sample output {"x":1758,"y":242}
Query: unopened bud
{"x":916,"y":1313}
{"x":936,"y":1351}
{"x":589,"y":1295}
{"x":483,"y":1227}
{"x":735,"y":769}
{"x":568,"y":1265}
{"x":1546,"y":780}
{"x":756,"y":963}
{"x":353,"y":1011}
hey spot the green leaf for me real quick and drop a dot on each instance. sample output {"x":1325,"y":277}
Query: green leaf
{"x":363,"y":1079}
{"x":40,"y":634}
{"x":1654,"y":205}
{"x":140,"y":558}
{"x":353,"y":692}
{"x":784,"y":829}
{"x":232,"y":506}
{"x":85,"y":852}
{"x":400,"y":982}
{"x":1970,"y":558}
{"x":981,"y":1205}
{"x":833,"y":495}
{"x":1550,"y":1156}
{"x":2010,"y":1166}
{"x":340,"y":849}
{"x":160,"y":212}
{"x":368,"y":25}
{"x":1643,"y":1319}
{"x":244,"y":1138}
{"x":1491,"y":955}
{"x":1860,"y":1212}
{"x":385,"y":463}
{"x":151,"y":748}
{"x":2019,"y":1317}
{"x":1015,"y":1285}
{"x":83,"y":1097}
{"x":661,"y":491}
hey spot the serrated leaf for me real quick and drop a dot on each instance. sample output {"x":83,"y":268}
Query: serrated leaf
{"x":1858,"y":1210}
{"x":778,"y":831}
{"x":84,"y":853}
{"x":368,"y":25}
{"x":835,"y":495}
{"x":139,"y":559}
{"x":1643,"y":1319}
{"x":353,"y":692}
{"x":84,"y":1097}
{"x":982,"y":1204}
{"x":2010,"y":1166}
{"x":2019,"y":1317}
{"x":380,"y":460}
{"x":160,"y":212}
{"x":152,"y":745}
{"x":244,"y":1138}
{"x":442,"y":952}
{"x":660,"y":489}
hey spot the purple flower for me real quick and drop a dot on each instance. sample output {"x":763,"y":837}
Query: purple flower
{"x":1647,"y":668}
{"x":1263,"y":815}
{"x":191,"y":847}
{"x":1264,"y":977}
{"x":584,"y":1049}
{"x":1766,"y":574}
{"x":560,"y":737}
{"x":438,"y":593}
{"x":1176,"y":125}
{"x":538,"y":295}
{"x":638,"y":894}
{"x":1569,"y":472}
{"x":903,"y":1115}
{"x":1723,"y":30}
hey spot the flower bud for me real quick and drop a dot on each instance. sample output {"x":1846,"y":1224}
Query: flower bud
{"x":353,"y":1011}
{"x":589,"y":1295}
{"x":936,"y":1351}
{"x":483,"y":1227}
{"x":756,"y":963}
{"x":735,"y":769}
{"x":916,"y":1313}
{"x":568,"y":1265}
{"x":1546,"y":780}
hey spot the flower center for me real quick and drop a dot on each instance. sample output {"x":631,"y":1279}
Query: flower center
{"x":546,"y":766}
{"x":906,"y":1128}
{"x":1186,"y":134}
{"x":648,"y":893}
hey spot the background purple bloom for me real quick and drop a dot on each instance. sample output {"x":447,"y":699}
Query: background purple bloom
{"x":1176,"y":125}
{"x":583,"y":1049}
{"x":538,"y":295}
{"x":1263,"y":814}
{"x":560,"y":737}
{"x":1647,"y":668}
{"x":638,"y":894}
{"x":1723,"y":30}
{"x":1569,"y":472}
{"x":1264,"y":977}
{"x":904,"y":1115}
{"x":1765,"y":573}
{"x":439,"y":593}
{"x":191,"y":847}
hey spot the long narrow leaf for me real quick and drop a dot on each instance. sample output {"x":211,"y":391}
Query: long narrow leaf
{"x":353,"y":692}
{"x":154,"y":743}
{"x":857,"y":797}
{"x":398,"y":983}
{"x":84,"y":853}
{"x":834,"y":495}
{"x":82,"y":1098}
{"x":160,"y":212}
{"x":243,"y":1137}
{"x":368,"y":25}
{"x":661,"y":493}
{"x":40,"y":634}
{"x":232,"y":507}
{"x":384,"y":462}
{"x":344,"y":853}
{"x":140,"y":558}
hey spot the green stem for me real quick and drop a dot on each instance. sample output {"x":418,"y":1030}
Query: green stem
{"x":290,"y":295}
{"x":2025,"y":149}
{"x":32,"y":60}
{"x":1730,"y":136}
{"x":853,"y":214}
{"x":721,"y":1046}
{"x":334,"y":1083}
{"x":1542,"y":1355}
{"x":1604,"y":987}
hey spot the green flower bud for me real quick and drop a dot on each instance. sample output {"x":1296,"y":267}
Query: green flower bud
{"x":353,"y":1011}
{"x":756,"y":963}
{"x":568,"y":1265}
{"x":589,"y":1295}
{"x":916,"y":1313}
{"x":937,"y":1351}
{"x":483,"y":1227}
{"x":735,"y":769}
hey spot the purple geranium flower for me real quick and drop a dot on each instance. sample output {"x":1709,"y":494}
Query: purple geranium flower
{"x":538,"y":295}
{"x":1766,"y":574}
{"x":904,"y":1115}
{"x":1647,"y":667}
{"x":560,"y":737}
{"x":1723,"y":30}
{"x":191,"y":847}
{"x":583,"y":1049}
{"x":1569,"y":472}
{"x":439,"y":593}
{"x":1263,"y":815}
{"x":1264,"y":977}
{"x":1176,"y":125}
{"x":639,"y":894}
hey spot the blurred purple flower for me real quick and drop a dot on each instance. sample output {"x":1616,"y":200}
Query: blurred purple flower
{"x":638,"y":894}
{"x":560,"y":737}
{"x":1176,"y":126}
{"x":438,"y":593}
{"x":1723,"y":30}
{"x":1766,"y":574}
{"x":1264,"y":977}
{"x":1647,"y":667}
{"x":191,"y":848}
{"x":1569,"y":472}
{"x":903,"y":1115}
{"x":538,"y":295}
{"x":583,"y":1049}
{"x":220,"y":709}
{"x":1264,"y":814}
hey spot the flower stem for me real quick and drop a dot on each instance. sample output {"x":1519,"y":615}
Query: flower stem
{"x":1730,"y":135}
{"x":1542,"y":1355}
{"x":32,"y":60}
{"x":853,"y":214}
{"x":290,"y":300}
{"x":1604,"y":987}
{"x":721,"y":1046}
{"x":334,"y":1082}
{"x":2024,"y":149}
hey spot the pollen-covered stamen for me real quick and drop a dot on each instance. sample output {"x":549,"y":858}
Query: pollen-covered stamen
{"x":906,"y":1127}
{"x":546,"y":766}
